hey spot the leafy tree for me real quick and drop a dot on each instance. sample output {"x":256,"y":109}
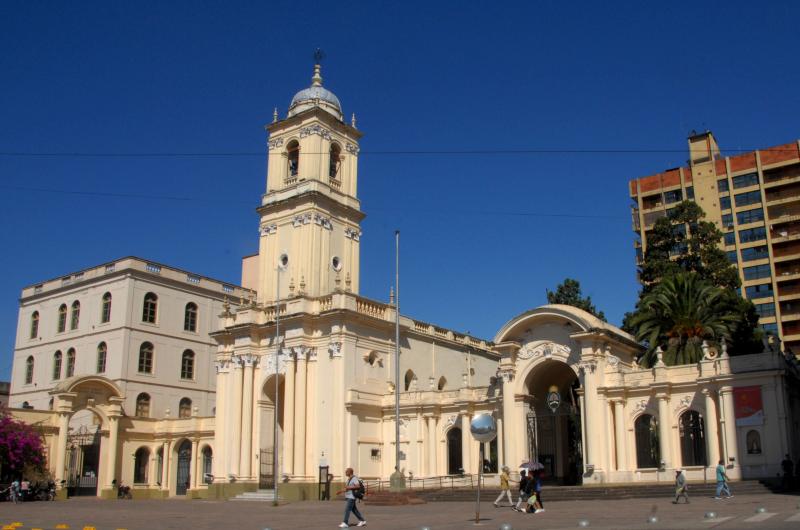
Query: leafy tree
{"x":569,"y":293}
{"x":680,"y":313}
{"x":693,"y":242}
{"x":20,"y":446}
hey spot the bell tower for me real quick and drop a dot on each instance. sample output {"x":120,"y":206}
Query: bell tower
{"x":310,"y":213}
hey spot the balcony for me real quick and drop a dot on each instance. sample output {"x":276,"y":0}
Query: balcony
{"x":783,"y":195}
{"x":782,"y":175}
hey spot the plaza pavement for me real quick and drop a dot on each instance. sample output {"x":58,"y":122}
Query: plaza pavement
{"x":781,"y":511}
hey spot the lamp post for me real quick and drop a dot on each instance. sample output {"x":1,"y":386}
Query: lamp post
{"x":484,"y":430}
{"x":397,"y":481}
{"x":283,"y":262}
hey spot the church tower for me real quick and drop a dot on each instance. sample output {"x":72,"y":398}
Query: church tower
{"x":310,"y":214}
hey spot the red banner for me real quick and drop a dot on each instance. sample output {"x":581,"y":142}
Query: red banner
{"x":748,"y":406}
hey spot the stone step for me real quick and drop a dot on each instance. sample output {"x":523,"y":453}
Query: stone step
{"x":256,"y":496}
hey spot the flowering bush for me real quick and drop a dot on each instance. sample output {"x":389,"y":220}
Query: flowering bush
{"x":20,"y":445}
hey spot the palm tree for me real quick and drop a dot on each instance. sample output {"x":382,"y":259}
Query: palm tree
{"x":679,"y":314}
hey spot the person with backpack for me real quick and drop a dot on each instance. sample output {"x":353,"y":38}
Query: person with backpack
{"x":353,"y":490}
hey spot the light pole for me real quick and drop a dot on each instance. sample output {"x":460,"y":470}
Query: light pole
{"x":283,"y":262}
{"x":484,"y":430}
{"x":397,"y":481}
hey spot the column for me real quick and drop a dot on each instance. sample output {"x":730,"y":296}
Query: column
{"x":731,"y":441}
{"x":113,"y":430}
{"x":584,"y":429}
{"x":605,"y":441}
{"x":664,"y":429}
{"x":300,"y":415}
{"x":194,"y":467}
{"x":619,"y":433}
{"x":220,"y":435}
{"x":288,"y":414}
{"x":501,"y":455}
{"x":236,"y":410}
{"x":420,"y":445}
{"x":61,"y":449}
{"x":166,"y":464}
{"x":508,"y":431}
{"x":247,"y":416}
{"x":432,"y":445}
{"x":311,"y":451}
{"x":466,"y":442}
{"x":711,"y":425}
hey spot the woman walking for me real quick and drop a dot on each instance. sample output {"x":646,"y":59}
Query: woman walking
{"x":504,"y":488}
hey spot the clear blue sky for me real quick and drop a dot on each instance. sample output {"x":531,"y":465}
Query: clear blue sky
{"x":483,"y":235}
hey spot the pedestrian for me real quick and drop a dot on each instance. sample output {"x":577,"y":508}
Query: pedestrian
{"x":681,"y":488}
{"x":722,"y":482}
{"x":538,"y":507}
{"x":788,"y":468}
{"x":504,"y":488}
{"x":353,"y":490}
{"x":523,"y":497}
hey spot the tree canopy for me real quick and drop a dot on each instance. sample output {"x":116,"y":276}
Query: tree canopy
{"x":569,"y":292}
{"x":20,"y":446}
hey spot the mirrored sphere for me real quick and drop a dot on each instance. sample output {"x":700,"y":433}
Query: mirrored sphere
{"x":483,"y":428}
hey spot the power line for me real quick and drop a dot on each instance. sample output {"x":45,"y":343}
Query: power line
{"x":242,"y":154}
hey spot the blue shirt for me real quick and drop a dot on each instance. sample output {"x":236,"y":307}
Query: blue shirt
{"x":720,"y":473}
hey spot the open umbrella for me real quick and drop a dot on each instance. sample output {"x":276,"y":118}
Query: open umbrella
{"x":533,"y":466}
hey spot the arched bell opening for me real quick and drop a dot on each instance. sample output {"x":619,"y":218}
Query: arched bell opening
{"x":554,"y":430}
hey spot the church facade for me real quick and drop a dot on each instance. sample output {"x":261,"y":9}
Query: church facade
{"x":305,"y":367}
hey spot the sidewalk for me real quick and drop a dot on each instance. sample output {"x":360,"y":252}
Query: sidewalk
{"x":781,"y":511}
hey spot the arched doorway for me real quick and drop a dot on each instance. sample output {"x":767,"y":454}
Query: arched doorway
{"x":184,"y":464}
{"x":266,"y":457}
{"x":554,"y":421}
{"x":455,"y":464}
{"x":83,"y":453}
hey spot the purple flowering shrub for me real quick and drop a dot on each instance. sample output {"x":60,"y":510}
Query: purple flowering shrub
{"x":20,"y":445}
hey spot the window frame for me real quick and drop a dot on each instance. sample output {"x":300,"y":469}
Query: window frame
{"x":102,"y":355}
{"x":648,"y":450}
{"x":150,"y":308}
{"x":58,"y":358}
{"x":30,"y":364}
{"x":142,"y":400}
{"x":187,"y":365}
{"x":62,"y":318}
{"x":146,"y":356}
{"x":75,"y":317}
{"x":190,"y":314}
{"x":105,"y":311}
{"x":185,"y":408}
{"x":70,"y":368}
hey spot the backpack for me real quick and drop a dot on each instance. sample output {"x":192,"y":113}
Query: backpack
{"x":361,"y":491}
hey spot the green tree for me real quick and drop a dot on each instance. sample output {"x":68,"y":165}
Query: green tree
{"x":569,"y":293}
{"x":681,"y":312}
{"x":683,"y":241}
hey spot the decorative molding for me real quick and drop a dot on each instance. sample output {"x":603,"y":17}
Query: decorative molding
{"x":335,"y":350}
{"x":324,"y":222}
{"x":247,"y":359}
{"x":507,"y":375}
{"x":269,"y":365}
{"x":350,"y":233}
{"x":302,"y":219}
{"x":587,"y":367}
{"x":266,"y":230}
{"x":223,"y":367}
{"x":613,"y":361}
{"x":304,"y":353}
{"x":450,"y":421}
{"x":352,"y":149}
{"x":641,"y":405}
{"x":316,"y":129}
{"x":274,"y":144}
{"x":546,"y":350}
{"x":683,"y":403}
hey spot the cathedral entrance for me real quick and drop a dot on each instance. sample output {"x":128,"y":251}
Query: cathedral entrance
{"x":184,"y":462}
{"x":554,"y":422}
{"x":455,"y":463}
{"x":267,"y":435}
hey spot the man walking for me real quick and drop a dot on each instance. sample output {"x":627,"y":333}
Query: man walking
{"x":352,"y":490}
{"x":523,"y":496}
{"x":681,"y":489}
{"x":504,"y":488}
{"x":722,"y":482}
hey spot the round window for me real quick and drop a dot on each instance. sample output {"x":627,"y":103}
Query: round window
{"x":336,"y":263}
{"x":283,"y":261}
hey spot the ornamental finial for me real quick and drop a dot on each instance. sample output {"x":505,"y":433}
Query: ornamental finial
{"x":316,"y":80}
{"x":353,"y":121}
{"x":275,"y":115}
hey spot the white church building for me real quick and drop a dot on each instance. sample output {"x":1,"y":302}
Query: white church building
{"x":563,"y":386}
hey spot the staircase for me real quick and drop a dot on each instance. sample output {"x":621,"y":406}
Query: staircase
{"x":256,"y":496}
{"x":563,"y":493}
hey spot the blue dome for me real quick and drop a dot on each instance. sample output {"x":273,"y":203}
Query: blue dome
{"x":316,"y":96}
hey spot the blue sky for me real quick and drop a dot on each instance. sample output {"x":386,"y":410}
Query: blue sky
{"x":483,"y":235}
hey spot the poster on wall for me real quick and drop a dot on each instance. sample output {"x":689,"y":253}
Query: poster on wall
{"x":748,"y":407}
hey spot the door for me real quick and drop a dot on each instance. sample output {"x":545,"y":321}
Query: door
{"x":83,"y":448}
{"x":184,"y":461}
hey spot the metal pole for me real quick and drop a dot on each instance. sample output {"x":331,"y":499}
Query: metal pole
{"x":275,"y":470}
{"x":480,"y":473}
{"x":397,"y":354}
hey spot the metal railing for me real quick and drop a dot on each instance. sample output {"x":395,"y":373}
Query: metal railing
{"x":430,"y":483}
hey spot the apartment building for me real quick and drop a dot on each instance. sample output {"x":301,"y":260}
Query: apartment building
{"x":754,"y":198}
{"x":143,"y":325}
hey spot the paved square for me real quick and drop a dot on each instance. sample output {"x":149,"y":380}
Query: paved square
{"x":780,"y":511}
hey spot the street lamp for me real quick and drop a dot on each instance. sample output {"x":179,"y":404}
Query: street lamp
{"x":484,"y":430}
{"x":283,"y":262}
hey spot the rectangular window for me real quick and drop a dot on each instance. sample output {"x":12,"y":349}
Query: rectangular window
{"x":722,"y":185}
{"x":762,"y":290}
{"x":725,"y":203}
{"x":730,"y":238}
{"x":770,"y":329}
{"x":750,"y":216}
{"x":727,"y":220}
{"x":690,"y":193}
{"x":732,"y":256}
{"x":765,"y":310}
{"x":756,"y":272}
{"x":753,"y":234}
{"x":673,"y":196}
{"x":754,"y":253}
{"x":742,"y":181}
{"x":747,"y":198}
